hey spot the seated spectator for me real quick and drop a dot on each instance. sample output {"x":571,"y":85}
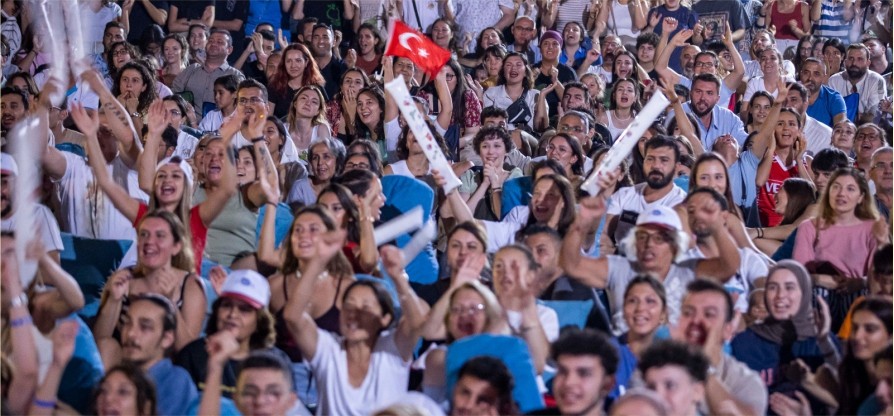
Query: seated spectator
{"x":483,"y":386}
{"x":586,"y":362}
{"x":672,"y":363}
{"x":261,"y":373}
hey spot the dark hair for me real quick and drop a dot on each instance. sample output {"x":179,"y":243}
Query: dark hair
{"x":854,"y":385}
{"x":757,"y":94}
{"x":380,"y":42}
{"x":881,"y":260}
{"x":458,"y":96}
{"x":403,"y":149}
{"x":550,"y":164}
{"x":713,"y":79}
{"x":801,"y":193}
{"x":493,"y":371}
{"x":110,"y":54}
{"x":566,"y":190}
{"x":883,"y":355}
{"x":800,"y":89}
{"x":169,"y":318}
{"x":716,"y":196}
{"x":169,"y":137}
{"x":146,"y":97}
{"x":144,"y":387}
{"x":676,"y":353}
{"x":829,"y":159}
{"x":338,"y":266}
{"x":625,"y":179}
{"x":341,"y":80}
{"x":152,"y":34}
{"x":114,"y":23}
{"x":264,"y":335}
{"x":253,"y":83}
{"x":652,"y":282}
{"x":17,"y":91}
{"x":586,"y":342}
{"x":280,"y":128}
{"x":659,"y":141}
{"x":357,"y":181}
{"x":636,"y":106}
{"x":361,"y":131}
{"x":352,"y":214}
{"x":634,"y":74}
{"x":489,"y":133}
{"x":267,"y":34}
{"x":371,"y":150}
{"x":182,"y":105}
{"x":538,"y":229}
{"x":648,"y":38}
{"x":705,"y":285}
{"x":229,"y":83}
{"x":728,"y":194}
{"x":527,"y":80}
{"x":577,"y":167}
{"x":381,"y":294}
{"x":491,"y":111}
{"x":672,"y":125}
{"x":587,"y":99}
{"x":266,"y":360}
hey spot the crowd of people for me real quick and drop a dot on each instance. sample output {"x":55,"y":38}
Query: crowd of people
{"x":242,"y":153}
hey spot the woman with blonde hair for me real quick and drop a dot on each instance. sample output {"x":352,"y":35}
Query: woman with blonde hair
{"x":307,"y":118}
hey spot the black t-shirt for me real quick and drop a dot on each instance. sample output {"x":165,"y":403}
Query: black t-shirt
{"x":192,"y":9}
{"x":194,"y":358}
{"x":566,"y":74}
{"x":331,"y":12}
{"x":251,"y":70}
{"x":140,"y":20}
{"x":332,"y":74}
{"x":229,"y":10}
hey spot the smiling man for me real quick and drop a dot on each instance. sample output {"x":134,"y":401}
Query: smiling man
{"x":586,"y":362}
{"x":858,"y":79}
{"x":826,"y":104}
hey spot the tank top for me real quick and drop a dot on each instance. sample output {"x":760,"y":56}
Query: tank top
{"x":766,"y":201}
{"x":621,"y":23}
{"x":327,"y":321}
{"x":780,"y":20}
{"x":615,"y":131}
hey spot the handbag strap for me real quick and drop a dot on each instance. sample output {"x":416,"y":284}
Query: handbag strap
{"x":416,"y":12}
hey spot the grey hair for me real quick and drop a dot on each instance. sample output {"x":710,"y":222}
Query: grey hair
{"x":681,"y":244}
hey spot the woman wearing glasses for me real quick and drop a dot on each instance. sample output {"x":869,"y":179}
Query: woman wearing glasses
{"x":869,"y":137}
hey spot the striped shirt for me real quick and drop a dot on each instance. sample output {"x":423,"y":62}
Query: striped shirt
{"x":831,"y":23}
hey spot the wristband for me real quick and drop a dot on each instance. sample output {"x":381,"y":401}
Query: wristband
{"x":46,"y":404}
{"x":25,"y":320}
{"x":257,"y":139}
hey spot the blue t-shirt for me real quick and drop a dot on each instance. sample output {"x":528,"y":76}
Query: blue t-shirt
{"x":173,"y":387}
{"x":686,"y":19}
{"x":827,"y":105}
{"x":766,"y":357}
{"x":83,"y":371}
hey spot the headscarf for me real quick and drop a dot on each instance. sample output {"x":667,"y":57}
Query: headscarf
{"x":801,"y":324}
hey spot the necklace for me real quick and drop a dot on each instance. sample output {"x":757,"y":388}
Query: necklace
{"x":629,"y":116}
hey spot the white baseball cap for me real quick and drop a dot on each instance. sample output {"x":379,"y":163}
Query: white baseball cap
{"x":248,"y":286}
{"x":184,"y":166}
{"x":661,"y":216}
{"x":8,"y":165}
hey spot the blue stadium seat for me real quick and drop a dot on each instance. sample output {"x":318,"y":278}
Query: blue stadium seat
{"x":91,"y":262}
{"x":401,"y":195}
{"x":516,"y":191}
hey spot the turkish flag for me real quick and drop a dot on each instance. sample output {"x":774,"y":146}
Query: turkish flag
{"x":407,"y":43}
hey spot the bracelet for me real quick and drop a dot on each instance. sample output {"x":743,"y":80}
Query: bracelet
{"x":46,"y":404}
{"x":258,"y":139}
{"x":15,"y":323}
{"x":496,"y":189}
{"x":760,"y":232}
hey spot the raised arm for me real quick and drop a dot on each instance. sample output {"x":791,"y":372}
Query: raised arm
{"x":118,"y":119}
{"x":262,"y":191}
{"x":67,"y":297}
{"x":415,"y":310}
{"x":661,"y":65}
{"x":391,"y":111}
{"x":158,"y":15}
{"x":457,"y":206}
{"x":445,"y":117}
{"x":368,"y":257}
{"x":64,"y":335}
{"x":469,"y":270}
{"x":299,"y":322}
{"x":762,"y":140}
{"x":590,"y":271}
{"x":89,"y":125}
{"x":117,"y":286}
{"x":727,"y":262}
{"x":734,"y":79}
{"x":687,"y":130}
{"x":158,"y":119}
{"x":220,"y":346}
{"x":24,"y":350}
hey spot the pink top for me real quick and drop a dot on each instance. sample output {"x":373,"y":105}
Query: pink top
{"x":848,"y":247}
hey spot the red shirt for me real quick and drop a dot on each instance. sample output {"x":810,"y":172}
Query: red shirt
{"x":766,"y":195}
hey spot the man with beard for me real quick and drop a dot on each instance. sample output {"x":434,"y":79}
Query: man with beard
{"x":331,"y":66}
{"x":14,"y":106}
{"x":879,"y":62}
{"x":199,"y":79}
{"x":714,"y":120}
{"x":880,"y":171}
{"x":818,"y":135}
{"x":706,"y":206}
{"x":704,"y":62}
{"x":706,"y":322}
{"x":656,"y":246}
{"x":661,"y":156}
{"x":147,"y":333}
{"x":47,"y":227}
{"x":858,"y":79}
{"x":826,"y":104}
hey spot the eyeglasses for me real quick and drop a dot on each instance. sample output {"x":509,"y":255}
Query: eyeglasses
{"x":252,"y":101}
{"x":704,"y":65}
{"x":644,"y":237}
{"x":121,"y":52}
{"x":467,"y":310}
{"x":867,"y":137}
{"x":352,"y":166}
{"x":883,"y":165}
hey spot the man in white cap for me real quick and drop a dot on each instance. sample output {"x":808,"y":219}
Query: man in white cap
{"x":47,"y":227}
{"x":654,"y":246}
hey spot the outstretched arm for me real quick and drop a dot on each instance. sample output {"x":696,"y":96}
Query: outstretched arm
{"x":415,"y":310}
{"x":661,"y":64}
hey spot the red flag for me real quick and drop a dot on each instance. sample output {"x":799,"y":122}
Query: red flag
{"x":408,"y":43}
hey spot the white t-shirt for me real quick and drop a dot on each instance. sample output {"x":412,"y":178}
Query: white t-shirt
{"x":46,"y":224}
{"x":497,"y":97}
{"x":86,"y":210}
{"x":622,"y":270}
{"x":386,"y":381}
{"x":818,"y":135}
{"x":212,"y":121}
{"x":502,"y":233}
{"x":629,"y":201}
{"x":752,"y":267}
{"x":548,"y":317}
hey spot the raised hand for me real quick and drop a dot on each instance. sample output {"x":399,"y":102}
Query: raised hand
{"x":654,"y":19}
{"x":783,"y":405}
{"x":158,"y":118}
{"x":765,"y":9}
{"x":669,"y":25}
{"x":233,"y":123}
{"x":283,"y":42}
{"x":327,"y":245}
{"x":469,"y":269}
{"x":681,"y":37}
{"x":220,"y":347}
{"x":590,"y":210}
{"x":217,"y":276}
{"x":129,"y":101}
{"x":86,"y":122}
{"x":118,"y":284}
{"x":727,"y":34}
{"x":475,"y":86}
{"x":393,"y":260}
{"x":64,"y":340}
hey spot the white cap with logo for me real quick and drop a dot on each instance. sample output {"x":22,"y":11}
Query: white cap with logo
{"x":248,"y":286}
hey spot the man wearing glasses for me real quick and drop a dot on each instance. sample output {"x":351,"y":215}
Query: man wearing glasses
{"x":199,"y":79}
{"x":524,"y":32}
